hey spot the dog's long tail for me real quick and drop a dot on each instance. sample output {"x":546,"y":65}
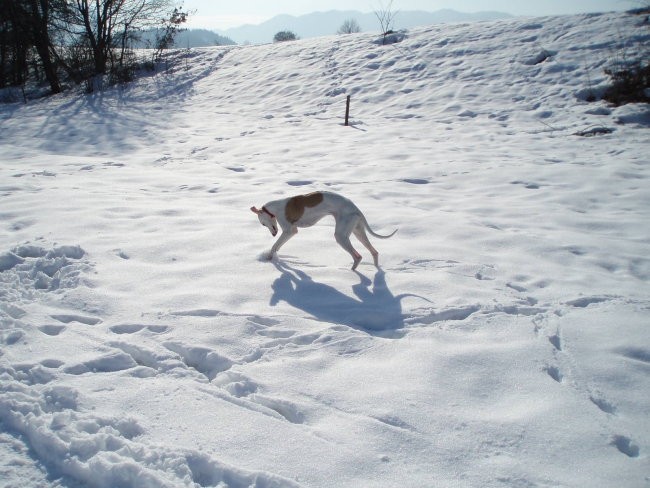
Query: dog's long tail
{"x":372,"y":232}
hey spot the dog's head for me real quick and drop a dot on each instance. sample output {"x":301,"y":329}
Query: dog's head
{"x":267,"y":219}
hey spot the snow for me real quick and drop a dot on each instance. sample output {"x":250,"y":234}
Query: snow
{"x":504,"y":342}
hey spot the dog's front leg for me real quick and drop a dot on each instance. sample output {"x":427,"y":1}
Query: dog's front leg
{"x":284,"y":237}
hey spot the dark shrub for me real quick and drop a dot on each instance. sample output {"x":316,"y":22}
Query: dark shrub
{"x":284,"y":36}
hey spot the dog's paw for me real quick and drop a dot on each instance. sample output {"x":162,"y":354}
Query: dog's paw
{"x":265,"y":257}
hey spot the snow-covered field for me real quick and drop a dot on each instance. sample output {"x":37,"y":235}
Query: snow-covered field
{"x":144,"y":342}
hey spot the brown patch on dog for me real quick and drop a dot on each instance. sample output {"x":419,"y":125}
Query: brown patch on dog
{"x":296,"y":205}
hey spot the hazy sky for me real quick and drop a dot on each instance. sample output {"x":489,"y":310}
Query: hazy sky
{"x":219,"y":14}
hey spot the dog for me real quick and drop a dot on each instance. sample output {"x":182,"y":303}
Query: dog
{"x":306,"y":210}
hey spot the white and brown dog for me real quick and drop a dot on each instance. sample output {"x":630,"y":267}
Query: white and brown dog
{"x":306,"y":210}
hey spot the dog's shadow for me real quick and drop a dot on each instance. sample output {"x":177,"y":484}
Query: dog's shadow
{"x":375,"y":310}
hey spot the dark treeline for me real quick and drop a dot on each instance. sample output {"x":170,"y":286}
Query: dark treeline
{"x":60,"y":41}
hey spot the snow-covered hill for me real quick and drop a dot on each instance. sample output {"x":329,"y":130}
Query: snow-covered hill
{"x":317,"y":24}
{"x":504,"y":342}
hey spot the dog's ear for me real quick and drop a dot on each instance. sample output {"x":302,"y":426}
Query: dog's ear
{"x":254,"y":210}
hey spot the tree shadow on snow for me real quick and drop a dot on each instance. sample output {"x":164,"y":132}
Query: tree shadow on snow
{"x":374,"y":310}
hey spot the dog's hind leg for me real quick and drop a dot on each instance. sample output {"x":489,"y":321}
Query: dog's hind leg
{"x":360,"y":233}
{"x":342,"y":233}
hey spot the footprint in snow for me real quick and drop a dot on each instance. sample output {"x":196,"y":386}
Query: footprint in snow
{"x":11,"y":337}
{"x":635,"y":354}
{"x":52,"y":363}
{"x":235,"y":383}
{"x":52,"y":330}
{"x":584,"y":302}
{"x":121,"y":254}
{"x":416,"y":181}
{"x":626,"y":446}
{"x":554,"y":372}
{"x":30,"y":374}
{"x":263,"y":321}
{"x":284,"y":408}
{"x":68,"y":318}
{"x":108,"y":363}
{"x":206,"y":361}
{"x":431,"y":317}
{"x":556,"y":341}
{"x":516,"y":287}
{"x":276,"y":334}
{"x":202,"y":312}
{"x":133,"y":328}
{"x":526,"y":184}
{"x":602,"y":404}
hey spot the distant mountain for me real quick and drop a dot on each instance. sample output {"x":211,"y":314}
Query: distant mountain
{"x":327,"y":23}
{"x":187,"y":38}
{"x":201,"y":37}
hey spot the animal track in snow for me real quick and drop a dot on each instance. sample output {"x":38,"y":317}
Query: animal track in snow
{"x":396,"y":422}
{"x":528,"y":185}
{"x":29,"y":374}
{"x":151,"y":362}
{"x":416,"y":181}
{"x":294,"y":339}
{"x":237,"y":384}
{"x":276,"y":334}
{"x":12,"y":311}
{"x":244,"y":394}
{"x":133,"y":328}
{"x":485,"y":273}
{"x":584,"y":302}
{"x":556,"y":341}
{"x":121,"y":254}
{"x":206,"y":472}
{"x":68,"y":318}
{"x":519,"y":310}
{"x":602,"y":404}
{"x":286,"y":409}
{"x":201,"y":312}
{"x":204,"y":360}
{"x":108,"y":363}
{"x":636,"y":354}
{"x":263,"y":321}
{"x":35,"y":267}
{"x":52,"y":363}
{"x":431,"y":317}
{"x":516,"y":287}
{"x":626,"y":446}
{"x":9,"y":260}
{"x":410,"y":265}
{"x":554,"y":372}
{"x":52,"y":330}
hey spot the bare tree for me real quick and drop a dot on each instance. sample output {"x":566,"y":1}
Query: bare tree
{"x":165,"y":39}
{"x":86,"y":38}
{"x":39,"y":13}
{"x":386,"y":16}
{"x":109,"y":26}
{"x":14,"y":43}
{"x":24,"y":27}
{"x":350,"y":26}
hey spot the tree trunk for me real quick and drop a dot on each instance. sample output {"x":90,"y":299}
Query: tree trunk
{"x":42,"y":41}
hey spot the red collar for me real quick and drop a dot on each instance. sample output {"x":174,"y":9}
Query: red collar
{"x":264,"y":209}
